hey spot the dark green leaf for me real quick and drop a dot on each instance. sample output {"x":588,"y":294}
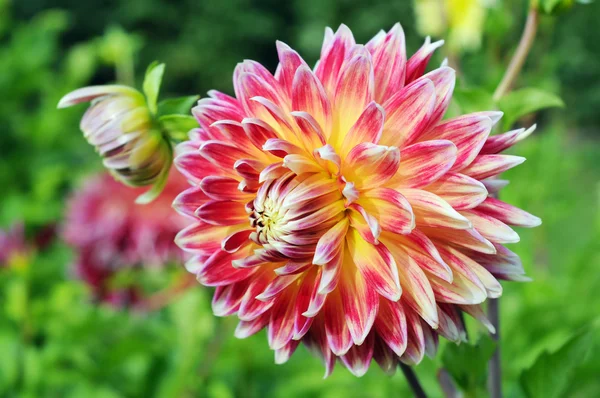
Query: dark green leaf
{"x":467,"y":363}
{"x":151,"y":86}
{"x":177,"y":106}
{"x":525,"y":101}
{"x":551,"y":373}
{"x":177,"y":126}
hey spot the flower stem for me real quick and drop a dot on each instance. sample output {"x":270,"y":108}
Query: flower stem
{"x":413,"y":381}
{"x":517,"y":61}
{"x":495,"y":369}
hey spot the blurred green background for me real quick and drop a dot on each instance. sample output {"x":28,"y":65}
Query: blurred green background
{"x":56,"y":342}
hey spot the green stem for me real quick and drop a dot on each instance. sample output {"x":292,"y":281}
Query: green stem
{"x":413,"y":381}
{"x":518,"y":59}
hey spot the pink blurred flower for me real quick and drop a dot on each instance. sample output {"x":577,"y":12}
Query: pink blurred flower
{"x":111,"y":232}
{"x":13,"y":246}
{"x":334,"y":205}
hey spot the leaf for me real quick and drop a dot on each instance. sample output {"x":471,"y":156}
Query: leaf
{"x":467,"y":363}
{"x":525,"y":101}
{"x":473,"y":100}
{"x":177,"y":126}
{"x":151,"y":86}
{"x":177,"y":106}
{"x":551,"y":373}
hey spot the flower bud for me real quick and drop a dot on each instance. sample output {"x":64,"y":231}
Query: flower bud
{"x":120,"y":126}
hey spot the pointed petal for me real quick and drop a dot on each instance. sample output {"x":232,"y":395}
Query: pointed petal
{"x":358,"y":358}
{"x":360,"y":301}
{"x":485,"y":166}
{"x":418,"y":62}
{"x":354,"y":91}
{"x":308,"y":95}
{"x":423,"y":163}
{"x":408,"y":113}
{"x":389,"y":63}
{"x":432,"y":211}
{"x":460,"y":191}
{"x":376,"y":265}
{"x":368,"y":128}
{"x":508,"y":214}
{"x":467,"y":132}
{"x":391,"y":325}
{"x":490,"y":227}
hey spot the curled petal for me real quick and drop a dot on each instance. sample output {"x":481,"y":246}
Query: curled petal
{"x":390,"y":208}
{"x":369,"y":165}
{"x":331,"y":243}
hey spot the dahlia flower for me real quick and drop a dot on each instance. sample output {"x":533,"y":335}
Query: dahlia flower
{"x":110,"y":231}
{"x":336,"y":207}
{"x":120,"y":126}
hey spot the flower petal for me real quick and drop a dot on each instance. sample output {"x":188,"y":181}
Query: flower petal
{"x":508,"y":214}
{"x":369,"y":165}
{"x":432,"y":211}
{"x":368,"y":128}
{"x":408,"y":113}
{"x":389,"y":62}
{"x":423,"y":163}
{"x":376,"y":265}
{"x":460,"y":191}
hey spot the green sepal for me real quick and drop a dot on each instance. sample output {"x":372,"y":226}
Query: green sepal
{"x":151,"y":86}
{"x":177,"y":126}
{"x":177,"y":106}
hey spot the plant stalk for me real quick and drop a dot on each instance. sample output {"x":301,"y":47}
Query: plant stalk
{"x":495,"y":368}
{"x":413,"y":381}
{"x":518,"y":59}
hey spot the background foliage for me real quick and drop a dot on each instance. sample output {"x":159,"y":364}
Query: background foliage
{"x":56,"y":342}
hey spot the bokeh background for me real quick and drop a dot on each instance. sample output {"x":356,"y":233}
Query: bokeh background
{"x":60,"y":338}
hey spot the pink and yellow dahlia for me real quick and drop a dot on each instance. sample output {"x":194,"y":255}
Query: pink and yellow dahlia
{"x":111,"y":232}
{"x":334,"y":206}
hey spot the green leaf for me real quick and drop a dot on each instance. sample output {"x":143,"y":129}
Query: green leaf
{"x":177,"y":126}
{"x":473,"y":100}
{"x":177,"y":106}
{"x":151,"y":86}
{"x":467,"y":363}
{"x":525,"y":101}
{"x":555,"y":6}
{"x":551,"y":373}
